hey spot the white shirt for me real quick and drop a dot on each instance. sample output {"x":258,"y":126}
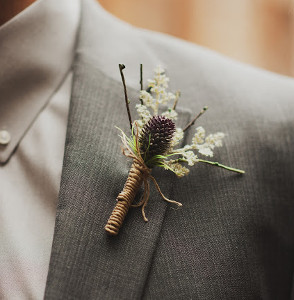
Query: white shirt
{"x":36,"y":54}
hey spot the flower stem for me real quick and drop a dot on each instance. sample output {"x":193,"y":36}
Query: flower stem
{"x":121,"y":67}
{"x":141,"y":76}
{"x":178,"y":95}
{"x":196,"y":118}
{"x":141,"y":81}
{"x":221,"y":166}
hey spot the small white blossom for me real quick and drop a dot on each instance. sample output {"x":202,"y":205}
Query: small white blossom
{"x":205,"y":145}
{"x":190,"y":157}
{"x":140,"y":125}
{"x":162,"y":80}
{"x":143,"y":112}
{"x":206,"y":151}
{"x":159,"y":96}
{"x":215,"y":140}
{"x":177,"y":168}
{"x":170,"y":114}
{"x":182,"y":150}
{"x":147,"y":98}
{"x":159,"y":70}
{"x":178,"y":136}
{"x":198,"y":137}
{"x":151,"y":82}
{"x":166,"y":98}
{"x":158,"y":90}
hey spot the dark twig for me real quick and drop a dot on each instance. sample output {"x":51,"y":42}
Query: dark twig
{"x":178,"y":95}
{"x":141,"y":80}
{"x":141,"y":76}
{"x":121,"y":67}
{"x":194,"y":120}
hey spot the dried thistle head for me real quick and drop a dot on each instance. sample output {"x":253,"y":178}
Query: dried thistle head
{"x":156,"y":136}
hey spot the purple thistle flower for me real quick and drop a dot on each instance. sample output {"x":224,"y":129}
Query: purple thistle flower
{"x":156,"y":136}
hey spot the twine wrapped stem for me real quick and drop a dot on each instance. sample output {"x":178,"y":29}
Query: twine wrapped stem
{"x":137,"y":175}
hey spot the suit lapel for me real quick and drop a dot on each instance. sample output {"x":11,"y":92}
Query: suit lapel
{"x":85,"y":262}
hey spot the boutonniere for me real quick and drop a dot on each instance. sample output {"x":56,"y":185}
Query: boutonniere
{"x":154,"y":141}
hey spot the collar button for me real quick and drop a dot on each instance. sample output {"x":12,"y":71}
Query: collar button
{"x":4,"y":137}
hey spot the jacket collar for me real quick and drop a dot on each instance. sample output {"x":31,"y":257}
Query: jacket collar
{"x":85,"y":262}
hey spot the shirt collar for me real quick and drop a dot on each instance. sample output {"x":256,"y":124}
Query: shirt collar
{"x":37,"y":50}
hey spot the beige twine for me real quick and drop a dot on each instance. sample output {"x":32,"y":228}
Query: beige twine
{"x":138,"y":174}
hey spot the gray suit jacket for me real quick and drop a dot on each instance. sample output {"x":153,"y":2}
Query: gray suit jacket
{"x":233,"y":238}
